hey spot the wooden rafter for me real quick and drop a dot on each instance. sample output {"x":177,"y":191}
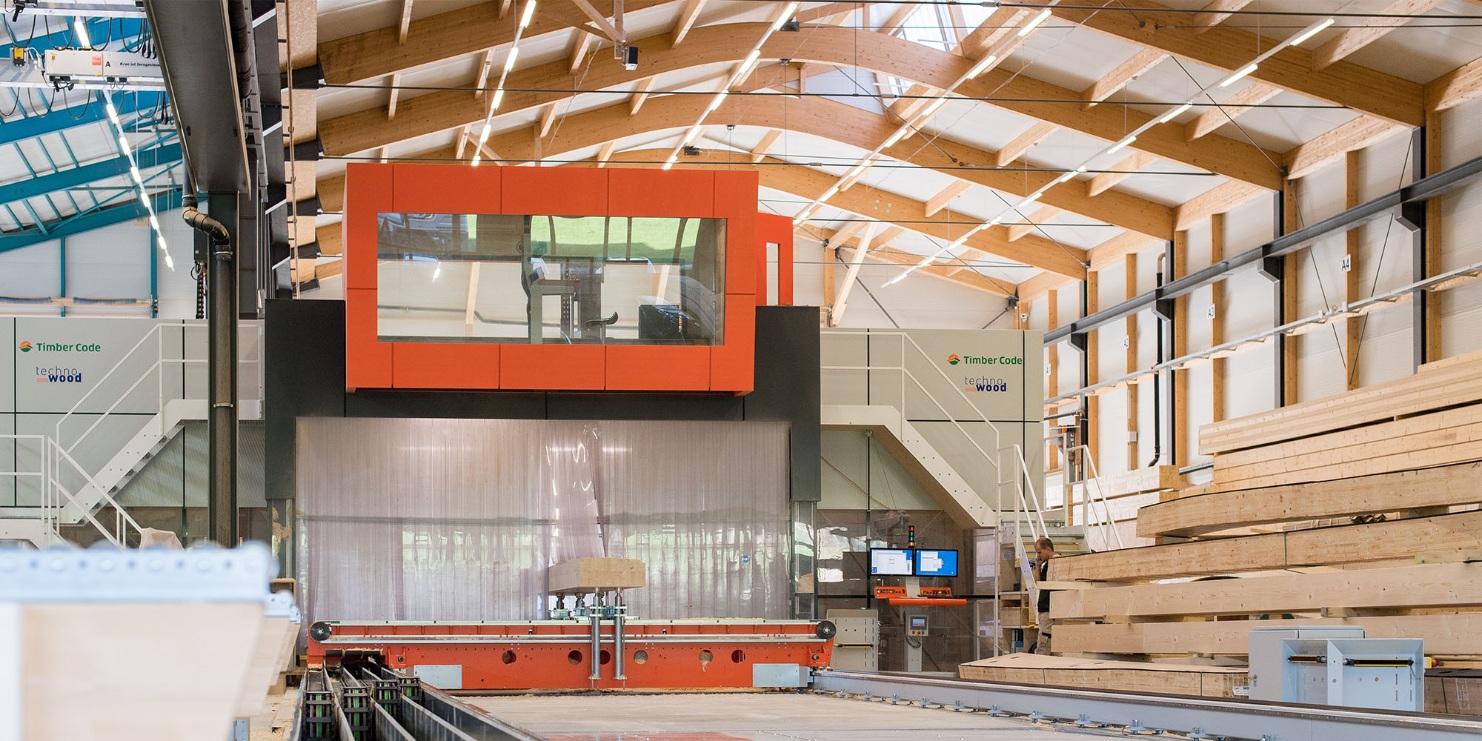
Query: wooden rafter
{"x":836,"y":312}
{"x":640,"y":95}
{"x":1033,"y":222}
{"x":1024,"y":142}
{"x":945,"y":196}
{"x":437,"y":112}
{"x":687,"y":18}
{"x":482,"y":76}
{"x":1104,"y":181}
{"x":1367,"y":30}
{"x":609,"y":28}
{"x":759,"y":152}
{"x":1217,"y":200}
{"x":579,"y":45}
{"x":446,"y":36}
{"x":898,"y":18}
{"x":604,"y":153}
{"x":1144,"y":60}
{"x":997,"y":27}
{"x":1216,"y":12}
{"x":406,"y":21}
{"x":1329,"y":147}
{"x":547,"y":118}
{"x":393,"y":87}
{"x":1365,"y":90}
{"x":864,"y":130}
{"x":848,"y":238}
{"x":1235,"y":106}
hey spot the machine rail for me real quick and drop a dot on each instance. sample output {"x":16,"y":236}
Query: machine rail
{"x":368,"y":702}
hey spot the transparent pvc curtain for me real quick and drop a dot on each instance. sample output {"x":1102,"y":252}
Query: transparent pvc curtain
{"x":408,"y":519}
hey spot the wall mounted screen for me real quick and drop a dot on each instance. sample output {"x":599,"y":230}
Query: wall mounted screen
{"x":620,"y":280}
{"x":936,"y":563}
{"x":890,"y":562}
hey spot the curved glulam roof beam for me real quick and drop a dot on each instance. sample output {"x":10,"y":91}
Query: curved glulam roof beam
{"x":1367,"y":91}
{"x":446,"y":36}
{"x":804,"y":182}
{"x":848,"y":125}
{"x":890,"y":256}
{"x":729,"y":43}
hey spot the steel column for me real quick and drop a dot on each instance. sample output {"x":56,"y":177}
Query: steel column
{"x":221,"y":323}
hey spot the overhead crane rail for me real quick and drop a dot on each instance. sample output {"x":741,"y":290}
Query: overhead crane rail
{"x":369,"y":702}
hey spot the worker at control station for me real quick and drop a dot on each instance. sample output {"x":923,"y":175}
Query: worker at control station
{"x":1044,"y":550}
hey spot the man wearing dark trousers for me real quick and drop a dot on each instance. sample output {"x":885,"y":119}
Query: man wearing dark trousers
{"x":1044,"y":550}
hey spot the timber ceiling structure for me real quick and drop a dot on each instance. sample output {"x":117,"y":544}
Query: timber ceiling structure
{"x":1005,"y":146}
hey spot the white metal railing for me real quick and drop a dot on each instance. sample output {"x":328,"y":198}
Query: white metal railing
{"x":906,"y":374}
{"x":1028,"y":508}
{"x":1093,"y":494}
{"x":59,"y":463}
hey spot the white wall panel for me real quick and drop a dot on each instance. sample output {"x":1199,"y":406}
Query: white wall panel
{"x":1320,"y":276}
{"x":31,"y":272}
{"x":1113,"y":433}
{"x":1320,"y":371}
{"x":1250,"y":225}
{"x":1320,"y":194}
{"x":1248,"y":303}
{"x":1200,"y":412}
{"x":1461,"y":133}
{"x":1386,"y":167}
{"x":1248,"y":381}
{"x":1385,"y":350}
{"x":109,"y":263}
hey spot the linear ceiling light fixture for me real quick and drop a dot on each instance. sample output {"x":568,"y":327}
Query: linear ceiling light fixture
{"x":1121,"y":144}
{"x":80,"y":26}
{"x":526,"y":16}
{"x":738,"y":74}
{"x":912,"y":123}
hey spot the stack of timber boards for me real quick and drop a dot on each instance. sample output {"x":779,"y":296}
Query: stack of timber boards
{"x":1461,"y":695}
{"x":1428,"y":419}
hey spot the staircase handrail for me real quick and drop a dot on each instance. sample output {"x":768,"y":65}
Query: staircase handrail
{"x":905,"y":372}
{"x":121,"y":518}
{"x":154,"y":332}
{"x":1032,"y":515}
{"x":1109,"y":532}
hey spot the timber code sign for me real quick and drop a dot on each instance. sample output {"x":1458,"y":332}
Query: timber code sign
{"x":981,"y":373}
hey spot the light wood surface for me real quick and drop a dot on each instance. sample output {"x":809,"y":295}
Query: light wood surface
{"x":1380,"y":541}
{"x":1204,"y":513}
{"x":1458,"y":634}
{"x":1431,"y":585}
{"x":596,"y":573}
{"x":1060,"y":671}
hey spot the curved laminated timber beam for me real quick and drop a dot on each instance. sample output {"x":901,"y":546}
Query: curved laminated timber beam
{"x":868,"y":203}
{"x":1294,"y":69}
{"x":729,"y":43}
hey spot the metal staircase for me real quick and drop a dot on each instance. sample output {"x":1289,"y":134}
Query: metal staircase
{"x":72,"y":495}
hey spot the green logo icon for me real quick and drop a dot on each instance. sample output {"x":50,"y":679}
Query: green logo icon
{"x":25,"y":346}
{"x":953,"y":359}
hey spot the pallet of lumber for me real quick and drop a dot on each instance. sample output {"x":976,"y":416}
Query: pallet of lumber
{"x":1458,"y":634}
{"x":1424,"y":441}
{"x":1344,"y":544}
{"x":1440,"y":385}
{"x":1141,"y":481}
{"x":1430,"y":585}
{"x":1060,"y":671}
{"x":1392,"y":492}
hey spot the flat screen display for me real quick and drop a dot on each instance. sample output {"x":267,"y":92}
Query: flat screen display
{"x":890,"y":562}
{"x":936,"y":563}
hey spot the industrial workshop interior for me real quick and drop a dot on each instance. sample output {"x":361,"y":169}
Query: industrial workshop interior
{"x":740,"y":370}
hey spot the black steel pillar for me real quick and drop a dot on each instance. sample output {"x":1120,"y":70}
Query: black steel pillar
{"x":221,"y":323}
{"x":1412,"y":217}
{"x":1274,"y":270}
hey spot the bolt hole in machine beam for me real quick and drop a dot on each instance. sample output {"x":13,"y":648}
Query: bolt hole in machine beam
{"x":588,"y":642}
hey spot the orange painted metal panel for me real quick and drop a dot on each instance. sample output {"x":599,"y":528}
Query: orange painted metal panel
{"x":447,"y":189}
{"x":659,"y":193}
{"x":368,"y":362}
{"x":733,"y":365}
{"x":369,"y":186}
{"x":553,"y":367}
{"x":777,"y":230}
{"x":435,"y":365}
{"x":735,"y":201}
{"x":555,"y":191}
{"x":658,"y":368}
{"x":657,"y":654}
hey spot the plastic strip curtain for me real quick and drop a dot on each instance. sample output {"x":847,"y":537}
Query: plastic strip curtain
{"x":416,"y":519}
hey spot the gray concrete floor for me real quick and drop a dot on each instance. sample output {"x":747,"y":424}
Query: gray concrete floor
{"x":747,"y":716}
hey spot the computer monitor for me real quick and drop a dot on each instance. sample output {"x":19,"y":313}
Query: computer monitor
{"x":890,"y":562}
{"x":936,"y":563}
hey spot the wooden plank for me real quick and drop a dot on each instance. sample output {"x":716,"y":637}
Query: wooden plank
{"x":1174,"y":679}
{"x":1380,"y":541}
{"x":1153,"y":478}
{"x":585,"y":574}
{"x":1421,"y":441}
{"x":1195,"y":515}
{"x":1431,"y":585}
{"x":1458,"y":634}
{"x":1436,"y":388}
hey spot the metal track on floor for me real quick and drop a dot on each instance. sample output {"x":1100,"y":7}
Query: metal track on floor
{"x":373,"y":703}
{"x":1139,"y":714}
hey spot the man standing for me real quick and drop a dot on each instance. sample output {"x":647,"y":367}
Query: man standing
{"x":1044,"y":550}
